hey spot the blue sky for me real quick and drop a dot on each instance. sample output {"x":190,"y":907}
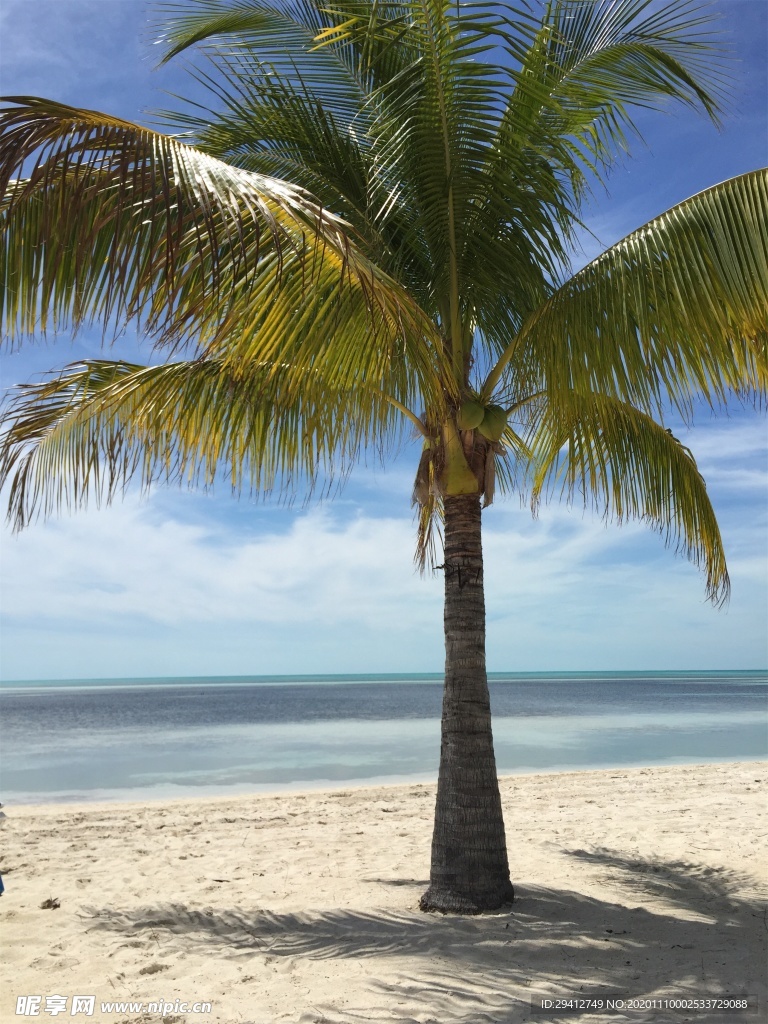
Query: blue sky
{"x":184,"y":583}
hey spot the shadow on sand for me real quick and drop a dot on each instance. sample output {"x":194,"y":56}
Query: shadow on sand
{"x":483,"y":969}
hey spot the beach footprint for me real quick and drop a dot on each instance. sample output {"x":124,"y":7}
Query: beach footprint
{"x":154,"y":968}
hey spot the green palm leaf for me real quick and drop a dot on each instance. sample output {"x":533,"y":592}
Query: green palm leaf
{"x":87,"y":432}
{"x":117,"y":222}
{"x":675,"y":311}
{"x":629,"y":467}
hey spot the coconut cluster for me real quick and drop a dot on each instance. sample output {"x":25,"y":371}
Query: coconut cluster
{"x":489,"y":420}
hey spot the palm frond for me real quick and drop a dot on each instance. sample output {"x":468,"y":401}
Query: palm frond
{"x":590,"y":64}
{"x":627,"y":466}
{"x":675,"y":311}
{"x":269,"y":31}
{"x":576,"y":81}
{"x":117,"y":222}
{"x":88,"y":432}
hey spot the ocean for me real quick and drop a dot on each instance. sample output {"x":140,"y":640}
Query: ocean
{"x":137,"y":739}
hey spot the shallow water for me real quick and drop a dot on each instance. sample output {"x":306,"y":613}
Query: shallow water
{"x":134,"y":739}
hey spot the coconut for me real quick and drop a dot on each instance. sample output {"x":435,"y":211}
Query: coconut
{"x":470,"y":415}
{"x":493,"y":423}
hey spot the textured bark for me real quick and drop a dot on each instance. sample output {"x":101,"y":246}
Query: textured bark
{"x":470,"y":870}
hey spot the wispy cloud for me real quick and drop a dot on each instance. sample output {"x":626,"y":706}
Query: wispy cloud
{"x":90,"y":53}
{"x":147,"y":591}
{"x":130,"y":562}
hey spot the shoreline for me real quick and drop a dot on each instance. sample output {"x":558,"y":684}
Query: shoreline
{"x":302,"y":908}
{"x":306,"y":787}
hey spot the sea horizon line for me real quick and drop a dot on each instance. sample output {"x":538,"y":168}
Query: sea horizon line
{"x":320,"y":678}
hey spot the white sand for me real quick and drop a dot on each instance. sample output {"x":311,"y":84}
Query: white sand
{"x":304,"y":908}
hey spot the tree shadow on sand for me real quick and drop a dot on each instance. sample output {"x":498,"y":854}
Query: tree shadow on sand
{"x":487,"y":968}
{"x":683,"y":884}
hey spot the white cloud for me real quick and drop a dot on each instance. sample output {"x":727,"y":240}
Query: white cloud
{"x":140,"y":590}
{"x":725,"y":439}
{"x":130,"y":561}
{"x":184,"y":584}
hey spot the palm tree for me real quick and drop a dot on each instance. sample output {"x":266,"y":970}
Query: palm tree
{"x":412,"y":280}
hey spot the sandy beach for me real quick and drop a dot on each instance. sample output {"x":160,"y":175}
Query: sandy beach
{"x":648,"y":883}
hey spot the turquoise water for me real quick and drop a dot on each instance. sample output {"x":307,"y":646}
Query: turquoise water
{"x":134,"y":739}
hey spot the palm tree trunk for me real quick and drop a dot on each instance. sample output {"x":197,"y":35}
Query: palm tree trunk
{"x":470,"y":870}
